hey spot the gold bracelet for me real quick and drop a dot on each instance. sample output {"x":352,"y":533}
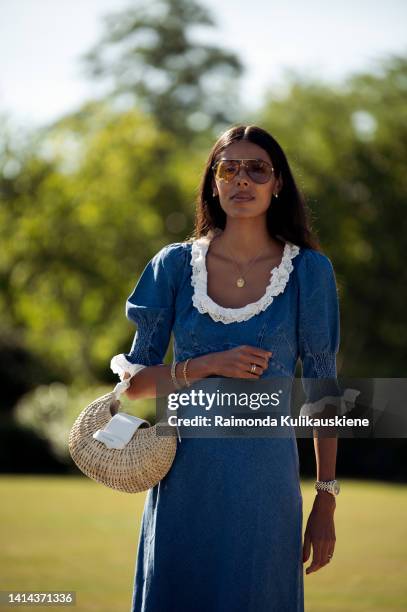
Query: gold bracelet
{"x":188,"y":384}
{"x":173,"y":375}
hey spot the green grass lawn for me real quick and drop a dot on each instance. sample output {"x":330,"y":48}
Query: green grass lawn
{"x":74,"y":534}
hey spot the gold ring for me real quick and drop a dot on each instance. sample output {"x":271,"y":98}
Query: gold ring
{"x":253,"y":368}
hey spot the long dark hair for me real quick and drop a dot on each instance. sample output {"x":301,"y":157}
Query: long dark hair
{"x":287,"y":217}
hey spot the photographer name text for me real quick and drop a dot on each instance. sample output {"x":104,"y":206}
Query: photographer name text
{"x":268,"y":421}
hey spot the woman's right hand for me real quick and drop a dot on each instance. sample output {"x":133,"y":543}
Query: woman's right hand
{"x":237,"y":362}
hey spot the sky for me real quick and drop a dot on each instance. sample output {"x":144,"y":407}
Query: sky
{"x":41,"y":40}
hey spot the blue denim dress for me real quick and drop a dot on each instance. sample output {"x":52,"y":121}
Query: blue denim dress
{"x":222,"y":532}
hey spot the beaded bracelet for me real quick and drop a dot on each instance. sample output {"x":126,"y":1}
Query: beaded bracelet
{"x":188,"y":384}
{"x":173,"y":375}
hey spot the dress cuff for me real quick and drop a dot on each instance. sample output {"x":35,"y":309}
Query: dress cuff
{"x":344,"y":403}
{"x":120,"y":365}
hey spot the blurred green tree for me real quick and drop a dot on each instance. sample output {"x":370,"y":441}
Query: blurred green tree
{"x":81,"y":214}
{"x":157,"y":62}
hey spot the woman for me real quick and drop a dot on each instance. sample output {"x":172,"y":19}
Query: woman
{"x":245,"y":297}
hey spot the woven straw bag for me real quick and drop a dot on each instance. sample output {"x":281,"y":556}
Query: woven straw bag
{"x":143,"y":461}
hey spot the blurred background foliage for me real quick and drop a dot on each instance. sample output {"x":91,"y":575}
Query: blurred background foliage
{"x":87,"y":200}
{"x":154,"y":59}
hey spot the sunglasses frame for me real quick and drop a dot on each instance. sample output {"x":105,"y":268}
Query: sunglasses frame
{"x":242,"y":163}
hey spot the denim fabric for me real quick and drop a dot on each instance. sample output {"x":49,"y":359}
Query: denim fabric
{"x":223,"y":530}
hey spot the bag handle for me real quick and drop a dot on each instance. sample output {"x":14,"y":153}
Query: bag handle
{"x":121,"y":387}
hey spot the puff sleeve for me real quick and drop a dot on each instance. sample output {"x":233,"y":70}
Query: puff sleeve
{"x":151,"y":307}
{"x":319,"y":335}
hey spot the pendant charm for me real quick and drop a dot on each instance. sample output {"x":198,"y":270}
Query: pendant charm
{"x":240,"y":282}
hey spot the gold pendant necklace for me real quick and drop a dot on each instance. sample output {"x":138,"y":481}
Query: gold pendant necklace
{"x":241,"y":281}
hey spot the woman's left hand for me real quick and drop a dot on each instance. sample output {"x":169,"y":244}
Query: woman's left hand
{"x":320,"y":532}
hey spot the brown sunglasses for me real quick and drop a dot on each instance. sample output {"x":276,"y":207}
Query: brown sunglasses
{"x":258,"y":170}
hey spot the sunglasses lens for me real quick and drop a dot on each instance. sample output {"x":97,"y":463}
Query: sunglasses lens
{"x":226,"y":170}
{"x":258,"y":171}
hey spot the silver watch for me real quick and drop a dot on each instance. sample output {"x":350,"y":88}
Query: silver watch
{"x":331,"y":486}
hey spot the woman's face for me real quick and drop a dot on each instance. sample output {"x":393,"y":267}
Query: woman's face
{"x":260,"y":193}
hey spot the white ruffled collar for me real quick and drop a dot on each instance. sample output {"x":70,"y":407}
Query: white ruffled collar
{"x":279,"y":277}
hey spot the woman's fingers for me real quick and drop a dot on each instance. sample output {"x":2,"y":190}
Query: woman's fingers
{"x":254,"y":356}
{"x":325,"y":553}
{"x":306,"y":551}
{"x":243,"y":362}
{"x":331,"y":549}
{"x":316,"y":557}
{"x":320,"y":555}
{"x":257,"y":355}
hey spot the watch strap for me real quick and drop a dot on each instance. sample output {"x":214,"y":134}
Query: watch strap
{"x":330,"y":486}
